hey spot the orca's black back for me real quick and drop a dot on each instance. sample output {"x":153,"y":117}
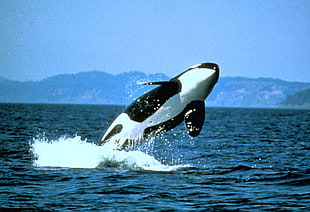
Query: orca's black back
{"x":149,"y":103}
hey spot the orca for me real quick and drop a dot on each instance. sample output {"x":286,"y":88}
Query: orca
{"x":165,"y":107}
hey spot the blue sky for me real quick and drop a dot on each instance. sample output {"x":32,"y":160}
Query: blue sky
{"x":264,"y":38}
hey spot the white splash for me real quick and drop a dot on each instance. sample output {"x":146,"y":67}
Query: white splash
{"x":77,"y":153}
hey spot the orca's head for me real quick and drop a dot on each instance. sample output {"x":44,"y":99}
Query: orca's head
{"x":199,"y":80}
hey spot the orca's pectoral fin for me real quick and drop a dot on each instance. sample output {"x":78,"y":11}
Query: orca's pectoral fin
{"x":195,"y":117}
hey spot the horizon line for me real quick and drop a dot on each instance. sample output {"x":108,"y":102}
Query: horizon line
{"x":136,"y":71}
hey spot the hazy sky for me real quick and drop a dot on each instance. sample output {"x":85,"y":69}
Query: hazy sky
{"x":265,"y":38}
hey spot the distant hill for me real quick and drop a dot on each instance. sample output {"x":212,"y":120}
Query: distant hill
{"x":298,"y":100}
{"x":247,"y":92}
{"x":97,"y":87}
{"x":93,"y":87}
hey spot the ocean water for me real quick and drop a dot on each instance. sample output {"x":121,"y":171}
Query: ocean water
{"x":243,"y":160}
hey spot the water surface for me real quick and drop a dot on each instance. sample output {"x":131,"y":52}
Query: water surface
{"x":243,"y":160}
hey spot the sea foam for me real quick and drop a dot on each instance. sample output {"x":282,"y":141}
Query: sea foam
{"x":77,"y":153}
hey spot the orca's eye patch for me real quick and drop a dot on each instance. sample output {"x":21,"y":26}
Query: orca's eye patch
{"x":117,"y":129}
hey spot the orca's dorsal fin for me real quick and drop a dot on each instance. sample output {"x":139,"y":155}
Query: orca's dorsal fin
{"x":157,"y":83}
{"x":194,"y":117}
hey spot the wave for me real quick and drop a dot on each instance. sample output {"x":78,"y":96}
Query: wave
{"x":77,"y":153}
